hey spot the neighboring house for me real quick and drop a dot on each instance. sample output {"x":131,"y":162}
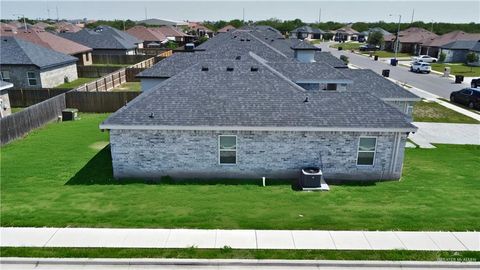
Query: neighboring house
{"x":67,"y":27}
{"x":30,"y":66}
{"x":59,"y":44}
{"x":199,"y":29}
{"x":251,"y":118}
{"x":42,"y":25}
{"x":162,"y":22}
{"x":432,"y":47}
{"x":346,"y":33}
{"x":7,"y":29}
{"x":307,"y":32}
{"x":106,"y":40}
{"x":410,"y":40}
{"x":457,"y":51}
{"x":363,"y":36}
{"x":150,"y":37}
{"x":174,"y":34}
{"x":226,"y":29}
{"x":5,"y":109}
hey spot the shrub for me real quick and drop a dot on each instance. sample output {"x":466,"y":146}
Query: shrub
{"x":344,"y":58}
{"x":472,"y":58}
{"x":442,"y":57}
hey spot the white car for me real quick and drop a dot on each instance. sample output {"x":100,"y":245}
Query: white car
{"x":420,"y":67}
{"x":424,"y":58}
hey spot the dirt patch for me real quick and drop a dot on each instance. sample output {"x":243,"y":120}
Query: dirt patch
{"x":98,"y":145}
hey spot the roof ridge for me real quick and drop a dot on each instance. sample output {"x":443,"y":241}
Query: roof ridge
{"x":268,"y":45}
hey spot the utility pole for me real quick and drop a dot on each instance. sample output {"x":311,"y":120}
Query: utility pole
{"x":243,"y":15}
{"x":145,"y":13}
{"x":319,"y":15}
{"x":431,"y":28}
{"x":398,"y":34}
{"x":413,"y":14}
{"x":24,"y":20}
{"x":56,"y":8}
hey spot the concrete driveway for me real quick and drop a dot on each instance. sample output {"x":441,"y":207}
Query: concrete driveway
{"x":430,"y":133}
{"x":432,"y":83}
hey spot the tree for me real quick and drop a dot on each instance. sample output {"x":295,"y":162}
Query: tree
{"x":442,"y":57}
{"x":171,"y":44}
{"x":344,"y":58}
{"x":472,"y":57}
{"x":375,"y":38}
{"x":327,"y":36}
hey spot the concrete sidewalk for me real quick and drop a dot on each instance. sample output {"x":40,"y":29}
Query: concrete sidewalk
{"x":445,"y":133}
{"x":238,"y":239}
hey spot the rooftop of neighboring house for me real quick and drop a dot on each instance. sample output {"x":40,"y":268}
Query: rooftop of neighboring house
{"x":16,"y":51}
{"x":170,"y":31}
{"x":104,"y":37}
{"x":226,"y":29}
{"x":413,"y":35}
{"x":470,"y":45}
{"x":375,"y":29}
{"x":41,"y":25}
{"x":67,"y":27}
{"x":146,"y":34}
{"x":199,"y":26}
{"x":51,"y":41}
{"x":308,"y":29}
{"x":7,"y":29}
{"x":347,"y":29}
{"x":163,"y":22}
{"x":451,"y":37}
{"x":246,"y":93}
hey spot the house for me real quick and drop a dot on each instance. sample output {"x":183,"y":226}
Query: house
{"x":162,"y":22}
{"x":106,"y":40}
{"x":226,"y":29}
{"x":66,"y":27}
{"x":59,"y":44}
{"x":199,"y":30}
{"x":5,"y":109}
{"x":30,"y":66}
{"x":457,"y":51}
{"x":42,"y":25}
{"x":150,"y":37}
{"x":307,"y":32}
{"x":410,"y":40}
{"x":346,"y":33}
{"x":363,"y":36}
{"x":7,"y":29}
{"x":174,"y":34}
{"x":256,"y":111}
{"x":432,"y":47}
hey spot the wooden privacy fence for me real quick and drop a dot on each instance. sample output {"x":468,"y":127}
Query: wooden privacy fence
{"x":28,"y":97}
{"x":118,"y":59}
{"x":105,"y":83}
{"x":156,"y":51}
{"x":18,"y":124}
{"x":95,"y":71}
{"x":98,"y":102}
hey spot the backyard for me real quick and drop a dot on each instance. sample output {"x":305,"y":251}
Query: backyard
{"x":76,"y":83}
{"x":61,"y":175}
{"x":458,"y":69}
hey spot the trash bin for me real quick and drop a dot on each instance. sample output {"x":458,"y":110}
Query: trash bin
{"x":375,"y":58}
{"x":458,"y":78}
{"x":386,"y":72}
{"x":446,"y":72}
{"x":69,"y":114}
{"x":393,"y":62}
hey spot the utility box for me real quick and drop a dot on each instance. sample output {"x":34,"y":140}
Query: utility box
{"x":311,"y":178}
{"x":446,"y":72}
{"x":69,"y":114}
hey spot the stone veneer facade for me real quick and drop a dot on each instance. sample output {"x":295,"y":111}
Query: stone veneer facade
{"x":194,"y":154}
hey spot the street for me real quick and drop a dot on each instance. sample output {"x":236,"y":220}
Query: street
{"x":433,"y":83}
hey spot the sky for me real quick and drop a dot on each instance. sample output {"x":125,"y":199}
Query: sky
{"x":308,"y":11}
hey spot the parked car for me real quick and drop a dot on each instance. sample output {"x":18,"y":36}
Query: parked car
{"x":420,"y":67}
{"x":475,"y":83}
{"x":467,"y":96}
{"x":424,"y":58}
{"x":368,"y":47}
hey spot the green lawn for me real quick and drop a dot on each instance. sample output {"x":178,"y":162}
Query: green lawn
{"x":128,"y":86}
{"x":228,"y":253}
{"x":434,"y":112}
{"x":385,"y":54}
{"x":17,"y":109}
{"x":347,"y":45}
{"x":457,"y":69}
{"x":78,"y":82}
{"x":61,"y":175}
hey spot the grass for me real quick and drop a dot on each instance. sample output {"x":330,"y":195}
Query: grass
{"x":17,"y":109}
{"x":347,"y":45}
{"x":228,"y":253}
{"x":461,"y":106}
{"x":128,"y":86}
{"x":61,"y":175}
{"x":434,"y":112}
{"x":458,"y":69}
{"x":385,"y":54}
{"x":78,"y":82}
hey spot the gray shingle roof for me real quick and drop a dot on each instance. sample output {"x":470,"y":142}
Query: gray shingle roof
{"x":297,"y":71}
{"x":303,"y":45}
{"x":366,"y":80}
{"x":328,"y":58}
{"x":245,"y":98}
{"x":17,"y":51}
{"x":473,"y":45}
{"x":104,"y":37}
{"x":308,"y":29}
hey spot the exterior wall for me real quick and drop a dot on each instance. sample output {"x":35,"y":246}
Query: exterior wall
{"x":56,"y":76}
{"x":148,"y":84}
{"x":455,"y":55}
{"x":5,"y":108}
{"x":84,"y":59}
{"x":18,"y":75}
{"x":194,"y":154}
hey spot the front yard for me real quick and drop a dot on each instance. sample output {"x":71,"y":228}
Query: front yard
{"x":61,"y":175}
{"x":457,"y":69}
{"x":434,"y":112}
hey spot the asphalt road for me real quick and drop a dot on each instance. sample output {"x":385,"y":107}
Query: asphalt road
{"x":433,"y":83}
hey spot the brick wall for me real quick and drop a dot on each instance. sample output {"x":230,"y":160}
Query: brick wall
{"x":275,"y":155}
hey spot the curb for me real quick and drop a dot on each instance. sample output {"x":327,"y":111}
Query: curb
{"x":237,"y":262}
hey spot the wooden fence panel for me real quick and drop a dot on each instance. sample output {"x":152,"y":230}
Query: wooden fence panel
{"x":18,"y":124}
{"x":118,"y":59}
{"x":95,"y":71}
{"x":28,"y":97}
{"x":99,"y":102}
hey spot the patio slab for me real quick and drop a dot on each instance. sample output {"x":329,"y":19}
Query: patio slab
{"x":383,"y":240}
{"x":274,"y":239}
{"x":313,"y":240}
{"x":350,"y":240}
{"x":236,"y":239}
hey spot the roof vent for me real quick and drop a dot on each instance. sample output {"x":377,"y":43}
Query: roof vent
{"x":242,"y":39}
{"x":238,"y":57}
{"x":229,"y":68}
{"x":306,"y":100}
{"x":248,"y":39}
{"x":254,"y":69}
{"x":204,"y":68}
{"x":152,"y":115}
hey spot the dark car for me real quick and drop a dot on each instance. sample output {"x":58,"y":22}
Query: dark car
{"x":467,"y":96}
{"x":475,"y":83}
{"x":368,"y":47}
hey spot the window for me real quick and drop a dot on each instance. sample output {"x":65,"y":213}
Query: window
{"x":227,"y":149}
{"x":409,"y":109}
{"x":331,"y":87}
{"x":32,"y":78}
{"x":5,"y":75}
{"x":366,"y":151}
